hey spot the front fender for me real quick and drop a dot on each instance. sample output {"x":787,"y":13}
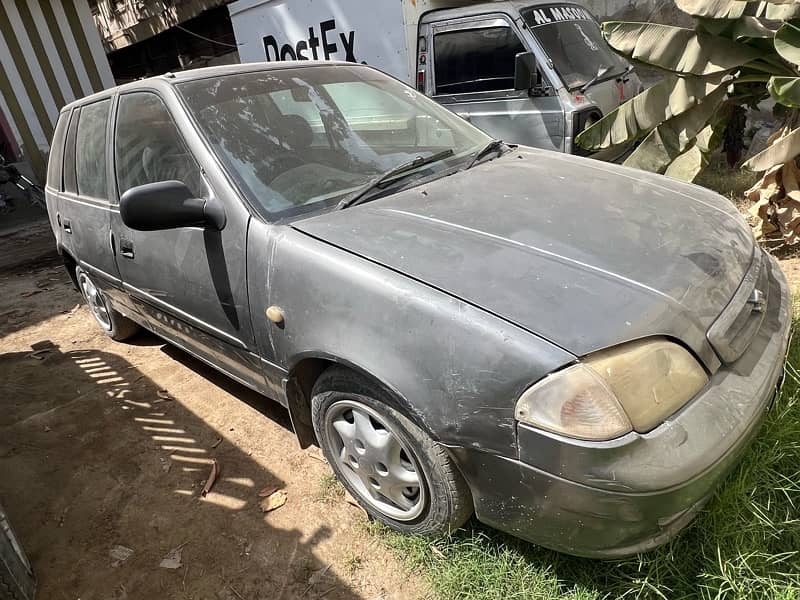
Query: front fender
{"x":455,"y":369}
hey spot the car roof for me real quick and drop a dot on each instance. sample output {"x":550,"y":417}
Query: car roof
{"x":204,"y":73}
{"x":507,"y":6}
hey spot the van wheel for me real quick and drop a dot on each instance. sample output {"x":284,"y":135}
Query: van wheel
{"x":16,"y":575}
{"x":111,"y":322}
{"x":395,"y":471}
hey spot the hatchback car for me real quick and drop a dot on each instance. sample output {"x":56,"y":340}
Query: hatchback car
{"x":574,"y":351}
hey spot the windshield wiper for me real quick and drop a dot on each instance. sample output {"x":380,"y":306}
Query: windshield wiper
{"x":360,"y":195}
{"x":492,"y":146}
{"x":600,"y":72}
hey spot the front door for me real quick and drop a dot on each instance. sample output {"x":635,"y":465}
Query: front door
{"x":472,"y":73}
{"x":189,"y":282}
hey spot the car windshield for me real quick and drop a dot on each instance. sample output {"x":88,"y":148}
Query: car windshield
{"x":572,"y":39}
{"x":302,"y":138}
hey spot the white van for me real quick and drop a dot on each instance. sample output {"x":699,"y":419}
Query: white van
{"x":533,"y":72}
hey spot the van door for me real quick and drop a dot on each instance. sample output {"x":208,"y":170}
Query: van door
{"x":190,"y":282}
{"x":85,"y":211}
{"x":471,"y":66}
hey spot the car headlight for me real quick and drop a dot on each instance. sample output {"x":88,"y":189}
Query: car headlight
{"x":635,"y":386}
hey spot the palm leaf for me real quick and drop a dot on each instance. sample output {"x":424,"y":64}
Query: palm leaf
{"x":778,"y":152}
{"x":787,"y":43}
{"x":785,"y":90}
{"x":714,"y":9}
{"x":677,"y":49}
{"x":672,"y":137}
{"x":779,"y":11}
{"x":638,"y":116}
{"x":688,"y":165}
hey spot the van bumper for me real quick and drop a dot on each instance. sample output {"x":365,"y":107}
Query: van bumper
{"x":629,"y":495}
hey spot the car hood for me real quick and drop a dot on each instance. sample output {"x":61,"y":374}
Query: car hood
{"x":582,"y":253}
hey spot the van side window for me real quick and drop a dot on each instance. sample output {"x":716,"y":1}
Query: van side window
{"x":55,"y":160}
{"x":475,"y":60}
{"x":90,"y":150}
{"x":149,"y":148}
{"x":70,"y":185}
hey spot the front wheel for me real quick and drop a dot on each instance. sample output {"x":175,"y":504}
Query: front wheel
{"x":394,"y":469}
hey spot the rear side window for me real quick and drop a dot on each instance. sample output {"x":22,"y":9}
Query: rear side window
{"x":149,"y":148}
{"x":57,"y":152}
{"x":90,"y":150}
{"x":70,"y":185}
{"x":475,"y":60}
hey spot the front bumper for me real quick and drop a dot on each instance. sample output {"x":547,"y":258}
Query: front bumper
{"x":617,"y":498}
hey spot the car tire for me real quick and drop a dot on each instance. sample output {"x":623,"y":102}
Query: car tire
{"x":16,"y":576}
{"x":397,"y":473}
{"x":113,"y":324}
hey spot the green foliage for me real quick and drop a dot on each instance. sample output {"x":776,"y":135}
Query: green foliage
{"x":744,"y":545}
{"x":737,"y":55}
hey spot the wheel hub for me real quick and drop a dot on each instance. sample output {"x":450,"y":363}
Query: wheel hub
{"x":95,"y":300}
{"x":374,"y":460}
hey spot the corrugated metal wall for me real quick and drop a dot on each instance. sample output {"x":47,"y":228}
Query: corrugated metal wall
{"x":50,"y":54}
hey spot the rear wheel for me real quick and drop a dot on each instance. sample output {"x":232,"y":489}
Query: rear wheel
{"x":115,"y":325}
{"x":16,"y":575}
{"x":394,"y":469}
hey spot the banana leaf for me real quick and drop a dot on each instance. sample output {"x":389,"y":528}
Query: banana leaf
{"x":779,"y":11}
{"x":787,"y":43}
{"x":641,"y":114}
{"x":714,"y":9}
{"x":688,"y":165}
{"x":677,"y":49}
{"x":778,"y":152}
{"x":785,"y":90}
{"x":667,"y":141}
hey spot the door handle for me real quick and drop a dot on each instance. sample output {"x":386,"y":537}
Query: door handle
{"x":126,"y":248}
{"x":66,"y":225}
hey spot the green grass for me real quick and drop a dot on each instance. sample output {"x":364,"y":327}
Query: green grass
{"x":731,"y":183}
{"x":330,"y":489}
{"x":745,"y":543}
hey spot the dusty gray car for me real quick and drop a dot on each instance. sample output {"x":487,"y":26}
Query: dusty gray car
{"x":576,"y":352}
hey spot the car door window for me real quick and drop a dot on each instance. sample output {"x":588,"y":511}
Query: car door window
{"x":56,"y":157}
{"x":149,"y":147}
{"x":475,"y":60}
{"x":90,"y":150}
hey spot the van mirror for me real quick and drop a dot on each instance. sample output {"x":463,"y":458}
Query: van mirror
{"x":525,"y":71}
{"x":168,"y":205}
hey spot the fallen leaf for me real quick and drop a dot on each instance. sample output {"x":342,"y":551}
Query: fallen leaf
{"x":173,"y":559}
{"x":217,"y":442}
{"x":268,"y":491}
{"x":119,"y":554}
{"x":273,"y":501}
{"x":212,"y":477}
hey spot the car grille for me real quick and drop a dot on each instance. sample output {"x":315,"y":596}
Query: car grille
{"x":735,"y":328}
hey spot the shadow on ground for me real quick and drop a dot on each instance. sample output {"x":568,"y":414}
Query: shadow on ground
{"x":95,"y":456}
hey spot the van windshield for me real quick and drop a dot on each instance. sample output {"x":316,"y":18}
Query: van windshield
{"x":302,"y":138}
{"x":572,"y":39}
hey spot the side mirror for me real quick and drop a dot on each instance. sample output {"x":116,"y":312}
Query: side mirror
{"x":525,"y":71}
{"x":168,"y":205}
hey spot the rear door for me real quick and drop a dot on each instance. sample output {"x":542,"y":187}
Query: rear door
{"x":471,"y":69}
{"x":190,"y":282}
{"x":84,"y":207}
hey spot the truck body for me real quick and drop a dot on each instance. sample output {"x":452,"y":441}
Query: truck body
{"x":463,"y":54}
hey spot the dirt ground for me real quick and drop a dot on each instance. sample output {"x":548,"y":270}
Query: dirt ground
{"x":106,"y":445}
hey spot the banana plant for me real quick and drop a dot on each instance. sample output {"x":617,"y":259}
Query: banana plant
{"x":739,"y":53}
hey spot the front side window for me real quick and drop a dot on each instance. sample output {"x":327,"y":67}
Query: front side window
{"x":300,"y":139}
{"x":149,"y":148}
{"x":475,"y":60}
{"x":90,"y":150}
{"x":572,"y":39}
